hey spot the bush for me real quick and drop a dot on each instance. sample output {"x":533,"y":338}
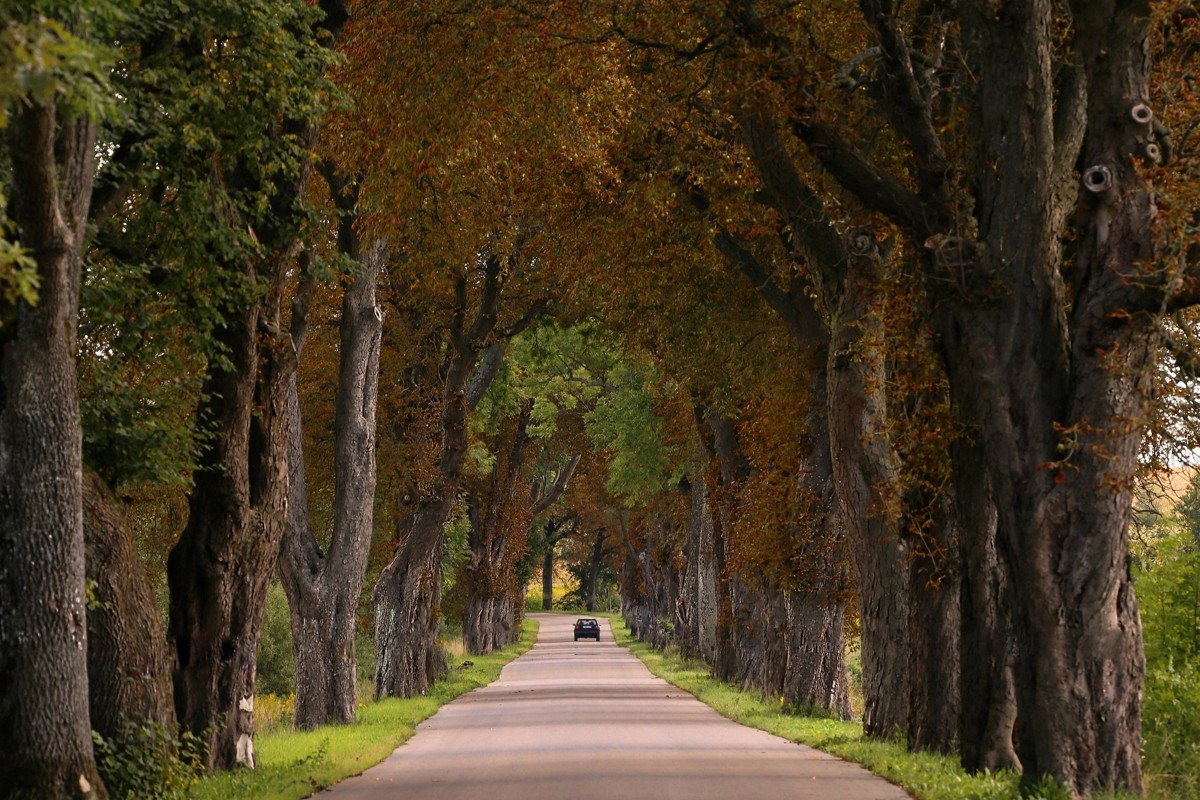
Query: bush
{"x":273,"y":713}
{"x":276,"y":659}
{"x":1168,"y":588}
{"x":147,"y":761}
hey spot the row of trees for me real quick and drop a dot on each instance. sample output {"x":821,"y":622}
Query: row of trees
{"x":812,"y":319}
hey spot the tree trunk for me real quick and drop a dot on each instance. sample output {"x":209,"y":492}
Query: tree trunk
{"x":728,"y":467}
{"x":408,"y":657}
{"x":548,"y":577}
{"x":988,"y":712}
{"x":595,"y":562}
{"x":323,"y":589}
{"x":129,"y":670}
{"x":816,"y":673}
{"x":44,"y":732}
{"x":934,"y":625}
{"x":220,"y":568}
{"x":1058,"y":384}
{"x":489,"y":569}
{"x":867,"y":473}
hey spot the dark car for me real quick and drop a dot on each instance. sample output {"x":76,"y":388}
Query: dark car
{"x":587,"y":628}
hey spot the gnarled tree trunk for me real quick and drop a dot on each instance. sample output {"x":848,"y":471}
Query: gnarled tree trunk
{"x":487,"y":623}
{"x":408,"y":657}
{"x":129,"y":666}
{"x":44,"y":732}
{"x":221,"y":567}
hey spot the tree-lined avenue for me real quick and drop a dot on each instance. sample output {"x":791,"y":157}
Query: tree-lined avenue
{"x":587,"y":720}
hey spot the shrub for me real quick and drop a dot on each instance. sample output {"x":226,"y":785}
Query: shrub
{"x":147,"y":761}
{"x":276,"y":659}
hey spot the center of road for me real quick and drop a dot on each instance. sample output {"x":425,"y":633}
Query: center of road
{"x":587,"y":720}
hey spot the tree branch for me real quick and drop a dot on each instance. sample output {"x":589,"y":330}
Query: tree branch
{"x":558,"y":487}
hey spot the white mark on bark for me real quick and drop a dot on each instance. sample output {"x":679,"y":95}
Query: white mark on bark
{"x":245,"y":751}
{"x":246,"y":704}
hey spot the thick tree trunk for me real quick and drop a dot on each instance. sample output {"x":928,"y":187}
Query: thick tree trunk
{"x":1058,"y":384}
{"x":729,"y":467}
{"x":221,"y":567}
{"x":129,"y":669}
{"x":816,"y":672}
{"x":696,"y":609}
{"x":324,"y":588}
{"x":988,"y":712}
{"x":934,"y":624}
{"x":867,"y":473}
{"x":44,"y":732}
{"x":408,"y":657}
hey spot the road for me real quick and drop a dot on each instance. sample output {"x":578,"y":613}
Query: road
{"x":586,"y":720}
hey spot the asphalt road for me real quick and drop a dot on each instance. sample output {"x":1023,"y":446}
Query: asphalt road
{"x":585,"y":720}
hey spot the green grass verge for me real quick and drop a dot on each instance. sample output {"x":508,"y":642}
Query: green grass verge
{"x":294,"y":764}
{"x":926,"y":776}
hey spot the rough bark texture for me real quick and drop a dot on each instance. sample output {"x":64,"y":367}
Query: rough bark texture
{"x":129,"y":666}
{"x":1064,"y":378}
{"x":866,"y":470}
{"x":696,"y":611}
{"x":488,"y":623}
{"x":44,"y":731}
{"x":816,"y":671}
{"x":323,"y":588}
{"x":988,"y":714}
{"x":934,"y":627}
{"x":220,"y":568}
{"x":407,"y":655}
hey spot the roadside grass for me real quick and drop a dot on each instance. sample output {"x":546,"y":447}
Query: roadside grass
{"x":927,"y":776}
{"x":295,"y":764}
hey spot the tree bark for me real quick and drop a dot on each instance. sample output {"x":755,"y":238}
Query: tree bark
{"x":323,"y":588}
{"x":44,"y":731}
{"x":129,"y":669}
{"x":220,"y":569}
{"x":934,"y":627}
{"x":988,"y":713}
{"x":1058,"y":385}
{"x":866,"y":469}
{"x":408,"y":657}
{"x":488,"y":623}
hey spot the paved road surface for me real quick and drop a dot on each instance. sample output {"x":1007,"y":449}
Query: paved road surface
{"x":576,"y":721}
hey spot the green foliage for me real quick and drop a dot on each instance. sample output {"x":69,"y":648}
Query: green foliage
{"x":45,"y":59}
{"x":276,"y":659}
{"x":455,"y":544}
{"x":625,"y":425}
{"x":1168,"y":587}
{"x":145,"y":761}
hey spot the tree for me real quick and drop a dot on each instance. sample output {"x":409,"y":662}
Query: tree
{"x":1046,"y":319}
{"x":220,"y":568}
{"x":51,"y":98}
{"x":323,"y":585}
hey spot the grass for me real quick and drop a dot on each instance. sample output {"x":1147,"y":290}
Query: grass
{"x":294,"y":764}
{"x":927,"y":776}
